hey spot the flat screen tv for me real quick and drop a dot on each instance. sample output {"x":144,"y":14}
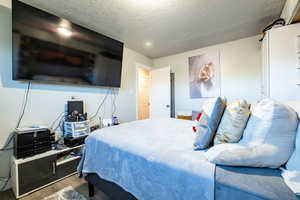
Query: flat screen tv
{"x":47,"y":48}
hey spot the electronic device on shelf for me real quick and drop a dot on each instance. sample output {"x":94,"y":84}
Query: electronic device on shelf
{"x":75,"y":111}
{"x":76,"y":123}
{"x":31,"y":141}
{"x":75,"y":105}
{"x":73,"y":142}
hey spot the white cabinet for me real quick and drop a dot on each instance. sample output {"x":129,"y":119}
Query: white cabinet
{"x":33,"y":173}
{"x":280,"y":69}
{"x":290,"y":9}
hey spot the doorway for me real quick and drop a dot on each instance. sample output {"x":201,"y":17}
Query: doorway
{"x":144,"y":82}
{"x":154,"y":92}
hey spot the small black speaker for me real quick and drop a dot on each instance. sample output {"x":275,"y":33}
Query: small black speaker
{"x":75,"y":105}
{"x":31,"y":141}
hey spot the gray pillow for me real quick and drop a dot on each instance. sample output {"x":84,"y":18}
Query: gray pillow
{"x":205,"y":130}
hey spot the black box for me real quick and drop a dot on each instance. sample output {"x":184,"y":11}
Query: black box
{"x":31,"y":141}
{"x":72,"y":142}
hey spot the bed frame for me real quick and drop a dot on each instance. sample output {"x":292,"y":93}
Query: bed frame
{"x":270,"y":182}
{"x":112,"y":190}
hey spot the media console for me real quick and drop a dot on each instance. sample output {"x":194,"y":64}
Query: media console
{"x":33,"y":173}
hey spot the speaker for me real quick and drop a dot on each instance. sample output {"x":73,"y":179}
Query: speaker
{"x":31,"y":141}
{"x":75,"y":106}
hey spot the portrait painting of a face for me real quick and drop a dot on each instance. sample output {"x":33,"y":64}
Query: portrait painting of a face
{"x":204,"y":75}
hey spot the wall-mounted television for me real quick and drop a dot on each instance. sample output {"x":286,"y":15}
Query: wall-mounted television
{"x":47,"y":48}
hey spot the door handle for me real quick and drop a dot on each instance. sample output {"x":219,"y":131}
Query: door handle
{"x":168,"y":106}
{"x":53,"y":168}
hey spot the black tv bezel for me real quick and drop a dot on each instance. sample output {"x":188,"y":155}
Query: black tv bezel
{"x":14,"y":76}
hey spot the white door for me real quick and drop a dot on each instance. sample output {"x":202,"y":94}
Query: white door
{"x":160,"y":93}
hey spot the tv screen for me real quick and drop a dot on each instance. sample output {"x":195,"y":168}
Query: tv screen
{"x":48,"y":48}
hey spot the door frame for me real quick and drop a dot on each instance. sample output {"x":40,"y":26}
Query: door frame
{"x":137,"y":67}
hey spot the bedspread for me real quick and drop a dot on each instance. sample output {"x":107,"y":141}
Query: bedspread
{"x":151,"y":159}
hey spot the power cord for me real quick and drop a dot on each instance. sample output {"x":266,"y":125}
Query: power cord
{"x":23,"y":108}
{"x":5,"y":148}
{"x":58,"y":118}
{"x":6,"y":180}
{"x":60,"y":124}
{"x":24,"y":104}
{"x":101,"y":104}
{"x":114,"y":107}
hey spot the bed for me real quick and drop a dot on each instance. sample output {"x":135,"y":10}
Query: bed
{"x":154,"y":159}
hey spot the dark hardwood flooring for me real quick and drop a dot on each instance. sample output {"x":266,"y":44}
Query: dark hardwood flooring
{"x":80,"y":185}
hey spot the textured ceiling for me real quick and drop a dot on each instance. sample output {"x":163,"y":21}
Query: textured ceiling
{"x":172,"y":26}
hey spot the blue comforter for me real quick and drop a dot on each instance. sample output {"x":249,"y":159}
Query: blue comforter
{"x":154,"y":159}
{"x":151,"y":159}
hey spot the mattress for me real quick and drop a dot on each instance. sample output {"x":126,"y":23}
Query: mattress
{"x":251,"y":184}
{"x":151,"y":159}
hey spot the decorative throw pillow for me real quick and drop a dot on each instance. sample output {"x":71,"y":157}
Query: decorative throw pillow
{"x":195,"y":114}
{"x":243,"y":155}
{"x":233,"y":123}
{"x":200,"y":123}
{"x":268,"y":139}
{"x":209,"y":119}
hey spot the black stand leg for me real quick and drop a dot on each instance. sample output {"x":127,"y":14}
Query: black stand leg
{"x":91,"y":190}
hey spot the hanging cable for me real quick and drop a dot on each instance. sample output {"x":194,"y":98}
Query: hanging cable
{"x":6,"y":180}
{"x":5,"y":148}
{"x":101,"y":104}
{"x":23,"y":108}
{"x":114,"y":107}
{"x":59,"y":117}
{"x":24,"y":105}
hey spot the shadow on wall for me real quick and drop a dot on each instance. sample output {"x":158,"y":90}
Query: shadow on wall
{"x":5,"y":155}
{"x":6,"y":63}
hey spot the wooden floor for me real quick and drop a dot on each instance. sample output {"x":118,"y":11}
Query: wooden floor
{"x":78,"y":184}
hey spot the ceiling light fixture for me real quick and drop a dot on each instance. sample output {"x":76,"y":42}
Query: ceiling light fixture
{"x":64,"y":31}
{"x":148,"y":44}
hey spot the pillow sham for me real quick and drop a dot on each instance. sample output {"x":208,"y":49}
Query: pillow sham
{"x":233,"y":123}
{"x":212,"y":111}
{"x":268,"y":139}
{"x":263,"y":155}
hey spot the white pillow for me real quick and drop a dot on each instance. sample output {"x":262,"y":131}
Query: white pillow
{"x":241,"y":155}
{"x":268,"y":139}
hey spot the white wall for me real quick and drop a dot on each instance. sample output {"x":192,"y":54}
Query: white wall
{"x":47,"y":101}
{"x":240,"y":72}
